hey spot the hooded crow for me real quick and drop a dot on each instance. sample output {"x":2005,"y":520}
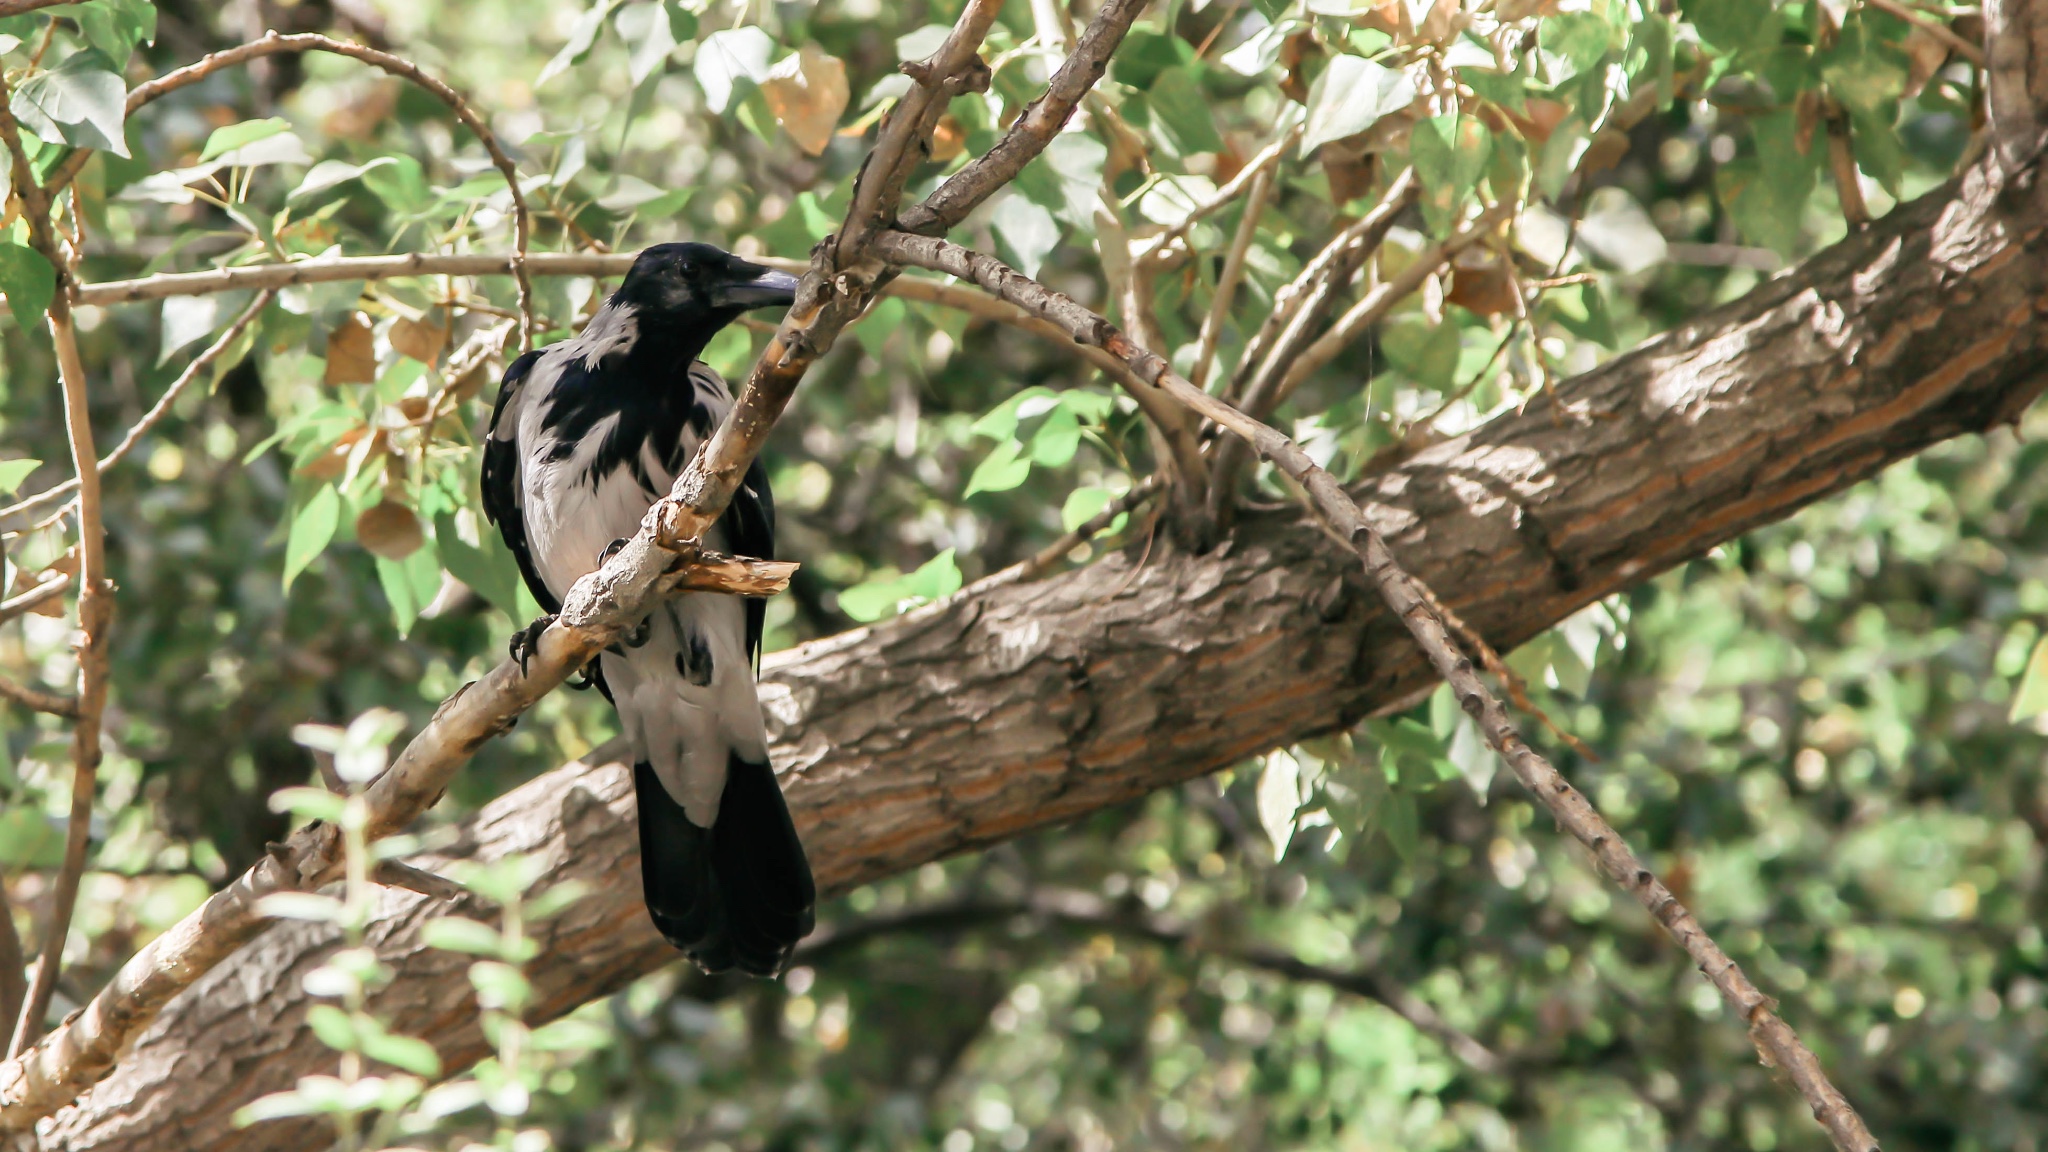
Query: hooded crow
{"x":586,"y":435}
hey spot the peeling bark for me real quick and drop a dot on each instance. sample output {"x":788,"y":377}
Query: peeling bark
{"x":1025,"y":705}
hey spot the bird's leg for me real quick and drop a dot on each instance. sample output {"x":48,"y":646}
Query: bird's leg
{"x":526,"y":641}
{"x":637,"y":635}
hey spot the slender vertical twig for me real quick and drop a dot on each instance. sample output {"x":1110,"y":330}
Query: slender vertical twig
{"x":1228,"y":279}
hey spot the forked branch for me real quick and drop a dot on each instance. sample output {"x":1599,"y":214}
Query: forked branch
{"x":1775,"y":1040}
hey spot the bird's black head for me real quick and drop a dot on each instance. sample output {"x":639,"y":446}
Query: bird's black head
{"x":692,"y":284}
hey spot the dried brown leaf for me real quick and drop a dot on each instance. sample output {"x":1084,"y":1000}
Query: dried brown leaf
{"x":807,"y":92}
{"x":352,"y":351}
{"x":389,"y":529}
{"x":424,"y":339}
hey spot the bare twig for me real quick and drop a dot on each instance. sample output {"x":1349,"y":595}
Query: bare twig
{"x":1227,"y":280}
{"x":1047,"y":558}
{"x":35,"y":505}
{"x":37,"y":700}
{"x":598,"y":608}
{"x":34,"y":598}
{"x":272,"y":44}
{"x":13,"y":970}
{"x":1328,"y":272}
{"x":1775,"y":1040}
{"x":398,"y":874}
{"x":1842,"y":166}
{"x":19,"y":7}
{"x":1298,"y":311}
{"x":1173,"y":435}
{"x":95,"y":601}
{"x":1375,"y":306}
{"x":1258,"y":166}
{"x":330,"y":269}
{"x":1034,"y":128}
{"x":1078,"y":909}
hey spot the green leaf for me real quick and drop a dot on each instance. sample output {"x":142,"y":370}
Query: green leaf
{"x":726,"y":58}
{"x":113,"y":26}
{"x":460,"y":934}
{"x":1181,"y":113}
{"x":1402,"y":824}
{"x":333,"y":173}
{"x":1085,"y":504}
{"x":236,"y":135}
{"x":1279,"y":798}
{"x":29,"y":840}
{"x":1767,"y":193}
{"x":1450,"y":154}
{"x":1000,"y":423}
{"x":582,"y":37}
{"x":1734,"y":25}
{"x":28,"y":281}
{"x":1057,"y":439}
{"x":406,"y":1052}
{"x":489,"y":570}
{"x":647,"y":28}
{"x":1025,"y":233}
{"x":81,"y":102}
{"x":2032,"y":698}
{"x":1426,"y":353}
{"x":936,"y":578}
{"x":333,"y":1027}
{"x":401,"y":184}
{"x":1002,"y":470}
{"x":312,"y":529}
{"x":499,"y":985}
{"x":1575,"y":43}
{"x":1349,"y":97}
{"x":311,"y":803}
{"x":13,"y":472}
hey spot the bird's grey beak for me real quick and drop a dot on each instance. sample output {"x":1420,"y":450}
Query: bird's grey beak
{"x":770,"y":289}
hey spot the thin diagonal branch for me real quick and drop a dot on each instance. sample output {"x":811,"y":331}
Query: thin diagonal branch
{"x":39,"y":503}
{"x":37,"y":700}
{"x":1775,"y":1040}
{"x":1034,"y":128}
{"x":1228,"y":279}
{"x":1260,"y":165}
{"x":273,"y":43}
{"x":34,"y":598}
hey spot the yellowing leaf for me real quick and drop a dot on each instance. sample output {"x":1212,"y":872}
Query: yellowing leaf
{"x":807,"y":92}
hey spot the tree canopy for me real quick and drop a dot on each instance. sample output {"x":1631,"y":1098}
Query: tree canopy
{"x":1685,"y":351}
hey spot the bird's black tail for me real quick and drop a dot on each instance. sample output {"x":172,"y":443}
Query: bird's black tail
{"x":738,"y":894}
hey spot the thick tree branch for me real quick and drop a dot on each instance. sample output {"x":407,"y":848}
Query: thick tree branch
{"x":906,"y":741}
{"x":1412,"y":603}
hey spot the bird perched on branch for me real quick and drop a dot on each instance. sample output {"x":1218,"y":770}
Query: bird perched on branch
{"x":586,"y":435}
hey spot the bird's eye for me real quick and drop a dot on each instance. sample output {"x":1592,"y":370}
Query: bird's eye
{"x":687,"y":267}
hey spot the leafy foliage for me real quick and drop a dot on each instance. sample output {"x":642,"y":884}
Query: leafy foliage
{"x":1824,"y":736}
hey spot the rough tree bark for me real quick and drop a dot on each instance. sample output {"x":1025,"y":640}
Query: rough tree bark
{"x":1022,"y":706}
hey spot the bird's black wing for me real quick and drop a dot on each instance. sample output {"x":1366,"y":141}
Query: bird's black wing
{"x":749,"y":521}
{"x":501,"y":487}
